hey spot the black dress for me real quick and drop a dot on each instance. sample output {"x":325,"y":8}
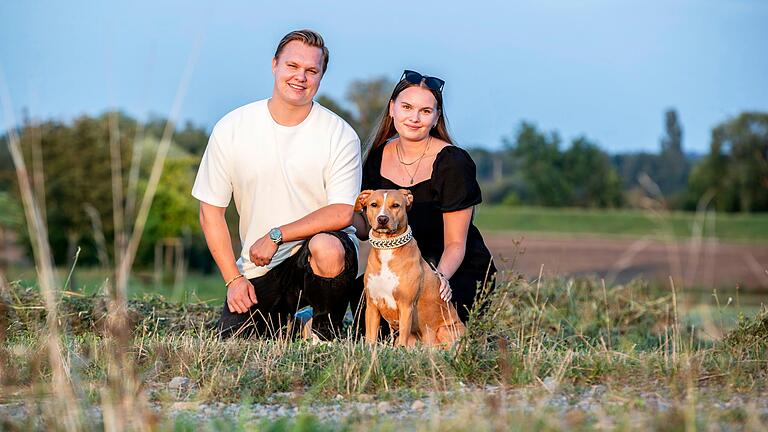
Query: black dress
{"x":453,"y":186}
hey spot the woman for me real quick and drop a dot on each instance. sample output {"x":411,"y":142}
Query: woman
{"x":412,"y":149}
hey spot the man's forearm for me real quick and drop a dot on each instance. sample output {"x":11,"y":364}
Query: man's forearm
{"x":214,"y":225}
{"x":333,"y":217}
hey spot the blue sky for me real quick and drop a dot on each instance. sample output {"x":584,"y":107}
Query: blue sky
{"x":606,"y":69}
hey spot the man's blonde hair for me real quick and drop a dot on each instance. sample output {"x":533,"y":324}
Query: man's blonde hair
{"x":307,"y":37}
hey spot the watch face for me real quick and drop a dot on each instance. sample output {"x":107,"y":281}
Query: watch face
{"x":275,"y":235}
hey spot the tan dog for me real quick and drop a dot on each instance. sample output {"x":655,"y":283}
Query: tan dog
{"x":399,"y":284}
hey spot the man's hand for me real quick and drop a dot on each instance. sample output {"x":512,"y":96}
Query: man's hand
{"x":262,"y":251}
{"x":241,"y":296}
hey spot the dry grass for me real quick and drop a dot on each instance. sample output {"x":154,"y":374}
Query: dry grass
{"x":122,"y":397}
{"x":543,"y":339}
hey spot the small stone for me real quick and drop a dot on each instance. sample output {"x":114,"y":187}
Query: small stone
{"x":184,"y":406}
{"x":550,"y":383}
{"x":339,"y":397}
{"x":383,"y":407}
{"x":418,"y":405}
{"x":178,"y":383}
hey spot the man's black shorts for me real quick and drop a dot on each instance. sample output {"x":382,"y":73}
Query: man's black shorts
{"x":292,"y":285}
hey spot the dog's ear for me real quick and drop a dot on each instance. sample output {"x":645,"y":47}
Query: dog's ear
{"x":408,"y":198}
{"x":360,"y":201}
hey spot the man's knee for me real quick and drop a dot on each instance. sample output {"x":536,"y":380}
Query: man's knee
{"x":326,"y":255}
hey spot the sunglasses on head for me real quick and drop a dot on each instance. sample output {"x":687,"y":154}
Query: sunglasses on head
{"x":414,"y":77}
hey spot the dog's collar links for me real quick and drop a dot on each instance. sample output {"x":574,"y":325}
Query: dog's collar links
{"x":390,"y":243}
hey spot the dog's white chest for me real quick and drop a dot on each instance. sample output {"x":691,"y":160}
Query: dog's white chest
{"x":381,"y":286}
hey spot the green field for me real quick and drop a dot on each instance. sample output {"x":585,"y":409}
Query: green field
{"x":740,"y":227}
{"x":194,"y":287}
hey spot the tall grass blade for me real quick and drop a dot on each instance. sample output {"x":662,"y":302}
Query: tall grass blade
{"x":63,"y":392}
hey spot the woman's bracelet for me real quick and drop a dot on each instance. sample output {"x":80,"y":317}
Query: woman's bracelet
{"x":226,"y":285}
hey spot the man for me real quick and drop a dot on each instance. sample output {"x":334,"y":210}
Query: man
{"x":294,"y":170}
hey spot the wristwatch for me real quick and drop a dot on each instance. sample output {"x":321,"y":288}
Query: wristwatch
{"x":276,"y":236}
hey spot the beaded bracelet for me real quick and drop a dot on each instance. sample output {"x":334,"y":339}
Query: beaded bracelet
{"x":226,"y":285}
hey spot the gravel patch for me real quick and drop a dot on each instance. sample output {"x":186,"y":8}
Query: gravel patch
{"x":595,"y":401}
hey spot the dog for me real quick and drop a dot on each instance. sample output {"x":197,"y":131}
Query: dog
{"x":399,"y":284}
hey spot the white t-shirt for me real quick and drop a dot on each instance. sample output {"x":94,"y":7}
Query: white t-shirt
{"x":278,"y":174}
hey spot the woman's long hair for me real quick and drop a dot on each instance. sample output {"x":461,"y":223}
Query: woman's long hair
{"x":385,"y":128}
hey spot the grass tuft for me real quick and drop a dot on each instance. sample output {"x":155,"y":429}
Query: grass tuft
{"x":560,"y":336}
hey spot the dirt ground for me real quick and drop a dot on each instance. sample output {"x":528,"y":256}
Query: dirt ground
{"x":705,"y":264}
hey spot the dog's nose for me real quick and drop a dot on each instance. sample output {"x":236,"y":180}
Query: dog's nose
{"x":382,"y":219}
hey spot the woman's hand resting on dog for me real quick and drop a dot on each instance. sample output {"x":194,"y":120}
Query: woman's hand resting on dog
{"x":445,"y":288}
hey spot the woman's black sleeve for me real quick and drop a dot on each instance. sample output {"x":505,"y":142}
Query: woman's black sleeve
{"x":455,"y":180}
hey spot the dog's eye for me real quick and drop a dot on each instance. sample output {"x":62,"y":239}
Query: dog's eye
{"x":395,"y":205}
{"x":373,"y":204}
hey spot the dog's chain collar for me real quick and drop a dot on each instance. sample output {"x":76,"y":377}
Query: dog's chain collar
{"x":390,"y":243}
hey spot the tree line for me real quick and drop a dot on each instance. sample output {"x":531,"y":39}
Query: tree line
{"x":535,"y":167}
{"x":75,"y":177}
{"x":72,"y":171}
